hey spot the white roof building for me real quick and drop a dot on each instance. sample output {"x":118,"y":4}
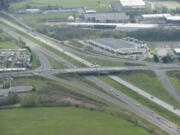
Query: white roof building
{"x":132,"y":3}
{"x":177,"y":50}
{"x":152,"y":16}
{"x":33,"y":11}
{"x":173,"y":18}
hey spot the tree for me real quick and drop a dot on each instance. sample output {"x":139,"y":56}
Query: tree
{"x":167,"y":59}
{"x":4,"y":4}
{"x":156,"y":58}
{"x":30,"y":100}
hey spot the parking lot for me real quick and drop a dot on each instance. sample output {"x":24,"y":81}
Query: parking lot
{"x":14,"y":58}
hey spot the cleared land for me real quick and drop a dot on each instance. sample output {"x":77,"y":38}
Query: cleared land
{"x":101,"y":5}
{"x":60,"y":121}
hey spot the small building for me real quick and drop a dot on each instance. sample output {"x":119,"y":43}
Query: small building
{"x":155,"y":18}
{"x":71,"y":18}
{"x":106,"y":17}
{"x":132,"y":4}
{"x":177,"y":51}
{"x":173,"y":19}
{"x":90,"y":11}
{"x":33,"y":11}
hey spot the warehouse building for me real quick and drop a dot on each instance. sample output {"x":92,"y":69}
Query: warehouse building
{"x":173,"y":19}
{"x":118,"y":46}
{"x":132,"y":4}
{"x":116,"y":26}
{"x":177,"y":51}
{"x":155,"y":18}
{"x":106,"y":17}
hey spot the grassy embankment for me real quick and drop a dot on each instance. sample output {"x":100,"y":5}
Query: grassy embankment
{"x":175,"y":79}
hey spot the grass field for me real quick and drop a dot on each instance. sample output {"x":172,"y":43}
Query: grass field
{"x":7,"y":45}
{"x":148,"y":81}
{"x":103,"y":5}
{"x":32,"y":19}
{"x":7,"y":42}
{"x":175,"y":79}
{"x":65,"y":120}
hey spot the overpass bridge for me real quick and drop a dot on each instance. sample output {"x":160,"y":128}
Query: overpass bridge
{"x":84,"y":71}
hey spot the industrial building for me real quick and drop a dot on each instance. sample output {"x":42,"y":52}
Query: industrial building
{"x":160,"y":18}
{"x":177,"y":51}
{"x":106,"y":17}
{"x":154,"y":18}
{"x":132,"y":4}
{"x":116,"y":26}
{"x":173,"y":19}
{"x":119,"y":46}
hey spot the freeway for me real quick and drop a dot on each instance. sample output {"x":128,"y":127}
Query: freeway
{"x":143,"y":112}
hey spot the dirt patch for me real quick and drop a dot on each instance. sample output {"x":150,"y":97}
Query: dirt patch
{"x":78,"y":102}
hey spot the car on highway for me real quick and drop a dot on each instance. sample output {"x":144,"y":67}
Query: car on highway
{"x":111,"y":90}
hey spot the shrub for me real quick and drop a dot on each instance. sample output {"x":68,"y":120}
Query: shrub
{"x":30,"y":100}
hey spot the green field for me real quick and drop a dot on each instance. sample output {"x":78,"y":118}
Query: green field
{"x":65,"y":120}
{"x":7,"y":45}
{"x":103,"y":5}
{"x":33,"y":19}
{"x":149,"y":82}
{"x":175,"y":79}
{"x":6,"y":41}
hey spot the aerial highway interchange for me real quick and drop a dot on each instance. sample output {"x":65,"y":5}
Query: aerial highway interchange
{"x":91,"y":69}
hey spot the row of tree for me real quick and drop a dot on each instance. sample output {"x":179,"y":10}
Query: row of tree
{"x":4,"y":4}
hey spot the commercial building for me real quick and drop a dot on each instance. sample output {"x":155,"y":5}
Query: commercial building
{"x":154,"y":18}
{"x":173,"y":19}
{"x":116,"y":26}
{"x":106,"y":17}
{"x":132,"y":4}
{"x":120,"y":46}
{"x":160,"y":18}
{"x":177,"y":51}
